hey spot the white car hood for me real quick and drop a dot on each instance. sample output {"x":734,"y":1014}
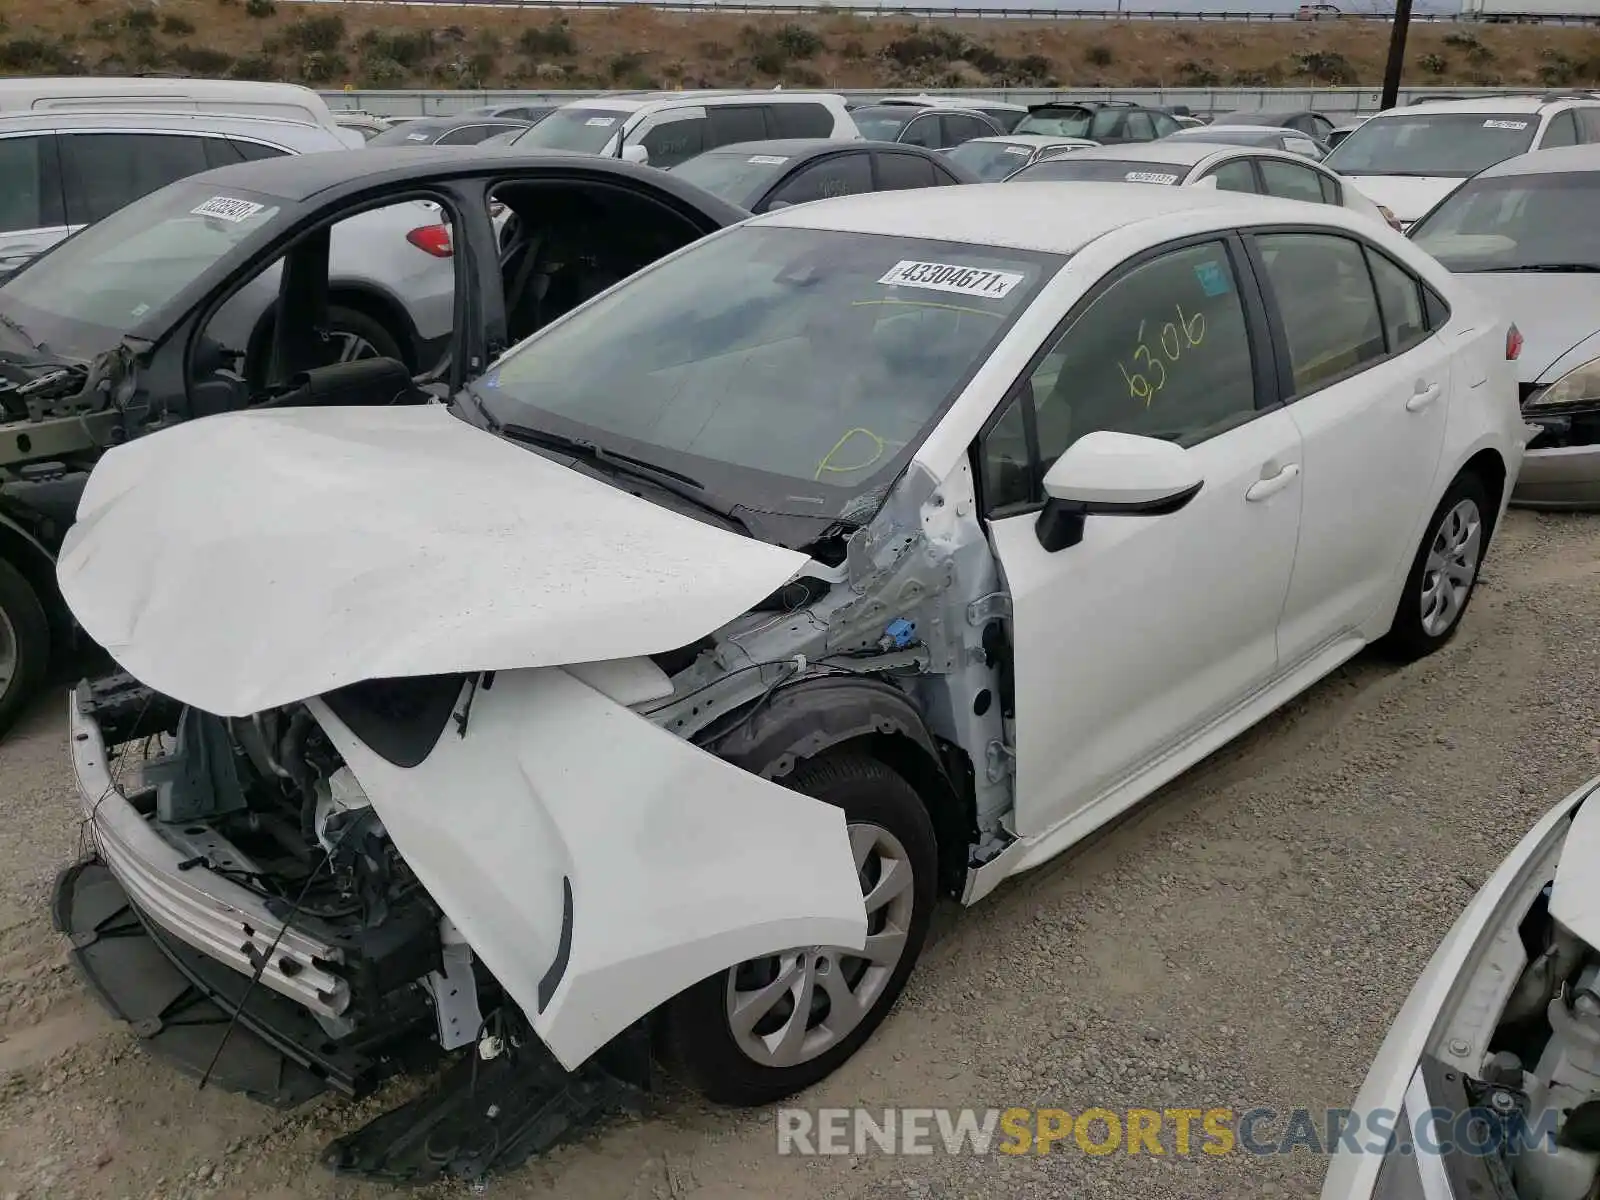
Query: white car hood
{"x":1406,"y":196}
{"x":250,"y":560}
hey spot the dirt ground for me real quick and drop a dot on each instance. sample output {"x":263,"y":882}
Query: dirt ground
{"x":1243,"y":939}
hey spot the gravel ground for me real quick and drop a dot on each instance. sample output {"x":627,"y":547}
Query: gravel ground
{"x":1242,"y":940}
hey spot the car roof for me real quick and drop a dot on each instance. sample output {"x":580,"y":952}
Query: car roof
{"x":458,"y":120}
{"x":634,"y":101}
{"x":1036,"y":139}
{"x":1479,"y":104}
{"x":923,"y":100}
{"x":1259,"y":116}
{"x":1053,"y":217}
{"x":304,"y":177}
{"x":1558,"y":160}
{"x":299,"y":136}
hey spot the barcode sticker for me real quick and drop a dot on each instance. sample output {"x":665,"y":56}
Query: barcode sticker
{"x":225,"y":208}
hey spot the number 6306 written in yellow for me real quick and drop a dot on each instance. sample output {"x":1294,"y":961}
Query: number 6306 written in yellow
{"x":1176,"y":336}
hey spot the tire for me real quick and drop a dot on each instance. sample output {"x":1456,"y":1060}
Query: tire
{"x":354,"y":323}
{"x":695,"y":1038}
{"x":24,"y":643}
{"x":1426,"y":617}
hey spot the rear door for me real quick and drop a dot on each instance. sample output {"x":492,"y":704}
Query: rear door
{"x":672,"y":136}
{"x":32,"y":211}
{"x":845,"y":174}
{"x":101,"y":172}
{"x":1368,"y":386}
{"x":897,"y":172}
{"x":1290,"y":181}
{"x":727,"y":124}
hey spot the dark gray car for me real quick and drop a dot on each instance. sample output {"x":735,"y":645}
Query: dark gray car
{"x":932,"y":128}
{"x":761,"y":176}
{"x":463,"y":130}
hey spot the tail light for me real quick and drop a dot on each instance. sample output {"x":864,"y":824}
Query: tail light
{"x":1388,"y":215}
{"x":432,"y":239}
{"x":1513,"y":343}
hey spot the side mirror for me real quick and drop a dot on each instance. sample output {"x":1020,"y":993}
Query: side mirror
{"x":1113,"y":474}
{"x":1209,"y":182}
{"x":635,"y":154}
{"x":775,"y":205}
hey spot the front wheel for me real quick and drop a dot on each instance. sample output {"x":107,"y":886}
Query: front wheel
{"x":24,"y":643}
{"x":1444,"y":573}
{"x":773,"y":1026}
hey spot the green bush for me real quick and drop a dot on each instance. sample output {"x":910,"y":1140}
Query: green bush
{"x":382,"y":73}
{"x":554,"y":39}
{"x":260,"y":8}
{"x":624,"y":65}
{"x":1197,"y":75}
{"x":177,"y":26}
{"x":35,"y":54}
{"x":321,"y":34}
{"x":799,"y":41}
{"x":1434,"y":64}
{"x":408,"y":47}
{"x":1098,"y":55}
{"x":201,"y":60}
{"x":139,"y":18}
{"x":322,"y":66}
{"x":259,"y":67}
{"x":1325,"y":66}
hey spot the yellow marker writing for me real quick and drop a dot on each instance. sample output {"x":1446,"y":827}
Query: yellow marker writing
{"x":826,"y":465}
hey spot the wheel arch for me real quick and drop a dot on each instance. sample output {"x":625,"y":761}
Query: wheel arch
{"x":771,"y":738}
{"x":1490,"y":468}
{"x":37,"y":565}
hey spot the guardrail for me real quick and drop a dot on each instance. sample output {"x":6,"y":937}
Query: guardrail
{"x":949,"y":13}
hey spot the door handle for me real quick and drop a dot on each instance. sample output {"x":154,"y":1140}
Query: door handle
{"x":1274,"y":484}
{"x":1423,"y":397}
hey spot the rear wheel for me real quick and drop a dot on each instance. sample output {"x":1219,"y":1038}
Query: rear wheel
{"x":24,"y":643}
{"x":773,"y":1026}
{"x":354,"y":335}
{"x":1444,"y":573}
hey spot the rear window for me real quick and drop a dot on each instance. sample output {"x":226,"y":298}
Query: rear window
{"x":1057,"y":122}
{"x":991,"y":161}
{"x":580,"y":130}
{"x":1103,"y":170}
{"x":1453,"y":145}
{"x":884,"y":123}
{"x":734,"y":175}
{"x":800,"y":120}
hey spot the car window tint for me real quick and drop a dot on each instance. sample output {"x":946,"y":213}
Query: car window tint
{"x":898,"y":171}
{"x":1589,"y":123}
{"x":1236,"y":176}
{"x":799,"y":120}
{"x":1290,"y":181}
{"x":730,"y":123}
{"x":104,"y":171}
{"x":1325,"y":298}
{"x":1330,"y":189}
{"x":1140,"y":127}
{"x":471,"y":135}
{"x":961,"y":128}
{"x":1400,"y":302}
{"x":1107,"y":123}
{"x":251,"y":151}
{"x":839,"y":175}
{"x":923,"y":131}
{"x":673,"y":141}
{"x":1165,"y":125}
{"x":1562,"y":131}
{"x":23,"y":197}
{"x":1438,"y":310}
{"x":1162,"y":352}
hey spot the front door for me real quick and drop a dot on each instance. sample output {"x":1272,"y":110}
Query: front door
{"x":1152,"y":626}
{"x":1371,"y":386}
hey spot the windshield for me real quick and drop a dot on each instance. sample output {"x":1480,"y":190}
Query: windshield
{"x":1516,"y":222}
{"x":1059,"y":122}
{"x":1449,"y":144}
{"x":990,"y":161}
{"x":792,"y":371}
{"x":735,"y":177}
{"x":884,"y":124}
{"x":580,"y":130}
{"x":1102,"y":170}
{"x":101,"y":282}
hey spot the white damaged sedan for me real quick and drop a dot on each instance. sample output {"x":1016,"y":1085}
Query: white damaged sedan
{"x":870,"y":550}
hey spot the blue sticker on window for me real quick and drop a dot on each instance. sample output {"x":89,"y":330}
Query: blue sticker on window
{"x":492,"y":381}
{"x":1213,"y":280}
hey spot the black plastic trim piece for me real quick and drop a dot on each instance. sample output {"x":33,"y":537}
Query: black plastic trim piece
{"x":558,"y":966}
{"x":399,"y":720}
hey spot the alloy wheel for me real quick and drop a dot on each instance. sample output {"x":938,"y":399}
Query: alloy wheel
{"x":1451,"y":567}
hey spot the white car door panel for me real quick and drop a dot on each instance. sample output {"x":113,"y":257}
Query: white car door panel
{"x":1152,"y":625}
{"x":1372,"y":411}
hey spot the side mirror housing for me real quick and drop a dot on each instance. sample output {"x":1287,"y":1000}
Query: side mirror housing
{"x":635,"y":154}
{"x":1209,"y":182}
{"x":1113,"y":474}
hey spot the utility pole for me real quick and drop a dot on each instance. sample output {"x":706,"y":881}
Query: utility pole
{"x":1397,"y":54}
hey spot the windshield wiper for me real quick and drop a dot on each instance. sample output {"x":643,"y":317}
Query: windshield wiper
{"x":685,"y":487}
{"x":1573,"y":268}
{"x":471,"y":393}
{"x":11,"y":324}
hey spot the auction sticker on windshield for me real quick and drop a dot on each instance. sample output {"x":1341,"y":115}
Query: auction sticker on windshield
{"x":768,"y":160}
{"x":225,"y":208}
{"x":1149,"y":177}
{"x":1017,"y":150}
{"x":1505,"y":124}
{"x":601,"y":121}
{"x":947,"y":277}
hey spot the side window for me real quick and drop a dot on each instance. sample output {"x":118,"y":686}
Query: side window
{"x":923,"y":131}
{"x":1399,"y":301}
{"x":799,"y":120}
{"x":1589,"y":123}
{"x":730,"y":123}
{"x":1562,"y":131}
{"x":671,"y":142}
{"x":251,"y":151}
{"x":1438,"y":311}
{"x":471,"y":135}
{"x":31,"y":195}
{"x":1236,"y":175}
{"x":104,"y":171}
{"x":1327,"y":305}
{"x":1300,"y":145}
{"x":840,"y":175}
{"x":1290,"y":181}
{"x":1165,"y":125}
{"x":1331,"y":193}
{"x":960,"y":128}
{"x":1140,"y":127}
{"x":899,"y":171}
{"x":1107,"y":123}
{"x":1163,"y":351}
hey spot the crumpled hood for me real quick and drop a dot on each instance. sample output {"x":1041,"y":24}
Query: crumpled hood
{"x":250,"y":560}
{"x":1553,"y":312}
{"x":1406,"y":196}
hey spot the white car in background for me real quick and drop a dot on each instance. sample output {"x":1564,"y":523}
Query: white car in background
{"x":1408,"y":159}
{"x":941,"y":528}
{"x":994,"y":159}
{"x":1181,"y":162}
